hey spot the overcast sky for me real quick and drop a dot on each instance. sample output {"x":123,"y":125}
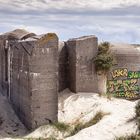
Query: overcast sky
{"x":109,"y":20}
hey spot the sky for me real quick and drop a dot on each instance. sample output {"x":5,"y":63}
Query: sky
{"x":109,"y":20}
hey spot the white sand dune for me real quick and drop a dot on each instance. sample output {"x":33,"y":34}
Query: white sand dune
{"x":116,"y":124}
{"x":81,"y":107}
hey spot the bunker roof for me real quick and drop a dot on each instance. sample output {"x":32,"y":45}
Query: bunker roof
{"x":18,"y":34}
{"x":125,"y":49}
{"x":82,"y":38}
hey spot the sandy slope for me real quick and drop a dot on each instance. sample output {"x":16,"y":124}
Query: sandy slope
{"x":81,"y":107}
{"x":10,"y":124}
{"x":115,"y":124}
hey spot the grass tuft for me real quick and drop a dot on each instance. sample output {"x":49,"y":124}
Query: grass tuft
{"x":131,"y":137}
{"x":61,"y":126}
{"x":75,"y":129}
{"x":91,"y":122}
{"x":96,"y":119}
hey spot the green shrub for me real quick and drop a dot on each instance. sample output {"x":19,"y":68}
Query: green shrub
{"x":103,"y":47}
{"x":104,"y":59}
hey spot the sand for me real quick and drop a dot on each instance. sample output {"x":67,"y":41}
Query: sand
{"x":77,"y":107}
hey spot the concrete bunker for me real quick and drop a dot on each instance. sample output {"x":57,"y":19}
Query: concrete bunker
{"x":124,"y":77}
{"x":82,"y":75}
{"x":34,"y":68}
{"x":28,"y":75}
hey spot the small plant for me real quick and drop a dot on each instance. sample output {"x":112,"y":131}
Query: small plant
{"x":91,"y":122}
{"x":96,"y":119}
{"x":61,"y":126}
{"x":131,"y":137}
{"x":76,"y":129}
{"x":104,"y":59}
{"x":103,"y":63}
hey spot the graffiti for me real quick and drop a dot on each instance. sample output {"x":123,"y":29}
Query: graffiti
{"x":134,"y":74}
{"x":127,"y":94}
{"x":119,"y":73}
{"x":124,"y":83}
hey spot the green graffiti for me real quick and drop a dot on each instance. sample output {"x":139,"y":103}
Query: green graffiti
{"x":134,"y":74}
{"x":127,"y":94}
{"x":123,"y":85}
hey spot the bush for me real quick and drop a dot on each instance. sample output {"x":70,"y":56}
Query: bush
{"x":104,"y":59}
{"x":103,"y":48}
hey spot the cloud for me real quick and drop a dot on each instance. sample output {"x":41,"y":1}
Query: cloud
{"x":113,"y":20}
{"x":68,"y":7}
{"x":68,"y":4}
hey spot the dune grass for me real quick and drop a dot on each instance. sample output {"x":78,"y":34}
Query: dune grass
{"x":61,"y":126}
{"x":131,"y":137}
{"x":79,"y":126}
{"x":72,"y":130}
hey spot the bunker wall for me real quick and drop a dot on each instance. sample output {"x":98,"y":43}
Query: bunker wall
{"x":124,"y":77}
{"x":34,"y":79}
{"x":82,"y":75}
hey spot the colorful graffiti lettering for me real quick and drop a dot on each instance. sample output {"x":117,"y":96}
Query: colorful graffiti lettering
{"x":119,"y":73}
{"x":127,"y":94}
{"x":134,"y":74}
{"x":124,"y":83}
